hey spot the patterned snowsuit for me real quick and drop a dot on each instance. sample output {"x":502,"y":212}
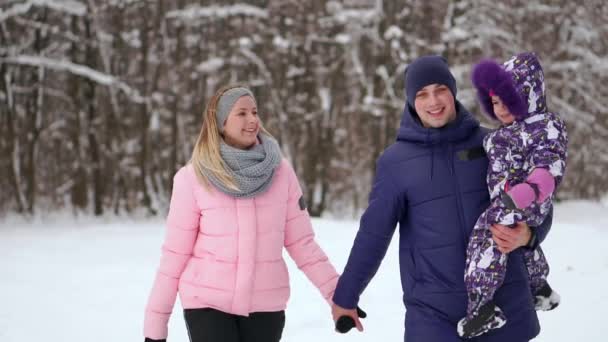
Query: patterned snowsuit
{"x":538,"y":140}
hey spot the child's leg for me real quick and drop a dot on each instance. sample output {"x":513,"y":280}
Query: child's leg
{"x":545,"y":298}
{"x":485,"y":272}
{"x":486,"y":267}
{"x":538,"y":268}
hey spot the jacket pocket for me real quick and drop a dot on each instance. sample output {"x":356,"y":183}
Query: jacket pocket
{"x":406,"y":256}
{"x":214,"y":274}
{"x":271,"y":217}
{"x":218,"y":221}
{"x":441,"y":269}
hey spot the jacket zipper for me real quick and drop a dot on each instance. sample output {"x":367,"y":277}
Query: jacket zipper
{"x":458,"y":196}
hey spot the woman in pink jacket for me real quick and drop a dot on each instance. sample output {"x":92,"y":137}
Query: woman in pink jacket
{"x":234,"y":207}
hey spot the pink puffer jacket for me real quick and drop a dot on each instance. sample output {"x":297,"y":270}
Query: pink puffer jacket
{"x":226,"y":253}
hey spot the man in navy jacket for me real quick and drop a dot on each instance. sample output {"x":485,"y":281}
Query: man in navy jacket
{"x":432,"y":181}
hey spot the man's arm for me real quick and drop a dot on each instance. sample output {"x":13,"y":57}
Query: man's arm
{"x":386,"y":206}
{"x":509,"y":239}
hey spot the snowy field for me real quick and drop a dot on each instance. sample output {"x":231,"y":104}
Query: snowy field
{"x":88,"y":280}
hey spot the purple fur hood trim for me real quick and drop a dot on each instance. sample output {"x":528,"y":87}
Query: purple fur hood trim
{"x":519,"y":83}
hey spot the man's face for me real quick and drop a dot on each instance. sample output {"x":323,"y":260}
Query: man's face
{"x":435,"y":105}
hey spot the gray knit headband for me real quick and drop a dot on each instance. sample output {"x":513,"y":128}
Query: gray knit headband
{"x":225,"y":103}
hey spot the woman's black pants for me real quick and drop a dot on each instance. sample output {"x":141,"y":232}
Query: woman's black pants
{"x":210,"y":325}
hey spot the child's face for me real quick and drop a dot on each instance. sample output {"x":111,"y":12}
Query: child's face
{"x":501,"y":111}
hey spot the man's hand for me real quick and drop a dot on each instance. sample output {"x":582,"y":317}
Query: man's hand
{"x":338,"y":311}
{"x":509,"y":239}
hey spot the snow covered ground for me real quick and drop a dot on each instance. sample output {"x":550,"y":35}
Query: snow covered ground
{"x":88,"y":280}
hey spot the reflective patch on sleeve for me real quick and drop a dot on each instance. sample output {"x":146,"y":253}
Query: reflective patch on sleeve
{"x":302,"y":203}
{"x":471,"y":154}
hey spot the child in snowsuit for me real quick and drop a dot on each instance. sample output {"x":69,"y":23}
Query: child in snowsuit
{"x":527,"y":159}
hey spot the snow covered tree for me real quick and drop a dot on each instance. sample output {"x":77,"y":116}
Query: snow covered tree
{"x":101,"y":101}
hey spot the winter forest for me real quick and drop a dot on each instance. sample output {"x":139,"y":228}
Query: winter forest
{"x":101,"y":100}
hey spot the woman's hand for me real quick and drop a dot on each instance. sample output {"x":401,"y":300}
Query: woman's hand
{"x":509,"y":239}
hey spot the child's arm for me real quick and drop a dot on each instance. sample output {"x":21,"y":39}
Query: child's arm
{"x":547,"y":158}
{"x":539,"y":185}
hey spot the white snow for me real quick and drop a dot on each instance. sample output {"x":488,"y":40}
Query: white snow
{"x":325,"y":95}
{"x":211,"y":65}
{"x":78,"y":69}
{"x":245,"y":42}
{"x":87,"y":279}
{"x":455,"y":33}
{"x":343,"y":38}
{"x":17,"y":9}
{"x":393,"y":32}
{"x":294,"y":71}
{"x":67,"y":6}
{"x":132,"y":38}
{"x":154,"y":124}
{"x":360,"y":16}
{"x":280,"y":42}
{"x":217,"y":12}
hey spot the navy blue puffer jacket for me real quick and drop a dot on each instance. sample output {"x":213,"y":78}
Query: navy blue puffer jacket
{"x":432,"y":182}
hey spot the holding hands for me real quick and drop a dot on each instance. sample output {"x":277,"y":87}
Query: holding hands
{"x":346,"y":319}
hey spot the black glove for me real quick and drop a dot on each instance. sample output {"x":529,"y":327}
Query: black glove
{"x":345,"y":323}
{"x":507,"y":200}
{"x":151,"y":340}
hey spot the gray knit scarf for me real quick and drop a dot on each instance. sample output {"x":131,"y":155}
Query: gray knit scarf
{"x":251,"y":169}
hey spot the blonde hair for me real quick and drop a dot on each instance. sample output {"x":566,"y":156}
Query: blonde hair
{"x":206,"y":157}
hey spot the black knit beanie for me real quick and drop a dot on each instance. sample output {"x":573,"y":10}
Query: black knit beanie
{"x":427,"y":70}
